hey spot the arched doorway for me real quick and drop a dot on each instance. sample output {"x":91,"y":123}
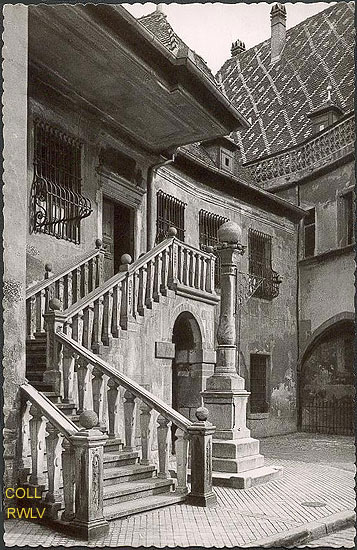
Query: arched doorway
{"x":187,"y":379}
{"x":326,"y":383}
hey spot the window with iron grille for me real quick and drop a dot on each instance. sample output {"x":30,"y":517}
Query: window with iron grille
{"x":348,"y":218}
{"x":170,"y":213}
{"x":260,"y":265}
{"x":209,"y":224}
{"x":57,"y":205}
{"x":309,"y":233}
{"x":259,"y":400}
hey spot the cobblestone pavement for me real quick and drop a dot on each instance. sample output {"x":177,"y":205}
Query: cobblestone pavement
{"x":313,"y":474}
{"x":342,"y":539}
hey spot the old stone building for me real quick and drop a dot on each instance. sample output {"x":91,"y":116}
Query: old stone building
{"x":130,"y":155}
{"x":297,"y":91}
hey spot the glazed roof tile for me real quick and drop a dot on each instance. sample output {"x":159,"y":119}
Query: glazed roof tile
{"x":277,"y":98}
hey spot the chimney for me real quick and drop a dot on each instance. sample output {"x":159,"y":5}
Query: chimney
{"x":278,"y":31}
{"x":237,"y":47}
{"x":160,"y":9}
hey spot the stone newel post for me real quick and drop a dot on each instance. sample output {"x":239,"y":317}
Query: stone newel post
{"x":200,"y":434}
{"x":225,"y":396}
{"x":89,"y":520}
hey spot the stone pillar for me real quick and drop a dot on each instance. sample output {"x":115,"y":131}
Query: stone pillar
{"x":54,"y":320}
{"x":15,"y":219}
{"x":200,"y":434}
{"x":89,"y":520}
{"x":236,"y":458}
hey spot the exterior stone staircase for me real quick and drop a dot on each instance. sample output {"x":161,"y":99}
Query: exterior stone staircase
{"x":57,"y":430}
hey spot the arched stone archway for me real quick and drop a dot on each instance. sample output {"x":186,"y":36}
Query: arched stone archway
{"x":326,"y":378}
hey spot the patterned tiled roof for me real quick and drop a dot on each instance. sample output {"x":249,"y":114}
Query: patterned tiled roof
{"x":156,"y":22}
{"x":277,"y":98}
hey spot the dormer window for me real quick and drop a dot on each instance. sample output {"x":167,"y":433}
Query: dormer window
{"x":325,"y":115}
{"x":221,"y":150}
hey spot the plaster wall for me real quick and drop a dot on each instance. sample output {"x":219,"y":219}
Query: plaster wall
{"x":267,"y":327}
{"x":51,"y":107}
{"x":14,"y":232}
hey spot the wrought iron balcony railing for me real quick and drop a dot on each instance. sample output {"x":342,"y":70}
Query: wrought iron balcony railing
{"x":310,"y":154}
{"x":57,"y":210}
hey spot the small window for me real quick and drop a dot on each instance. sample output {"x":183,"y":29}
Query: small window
{"x":209,"y":224}
{"x":226,"y":161}
{"x":170,"y":213}
{"x":259,"y":399}
{"x":309,"y":233}
{"x":348,"y":216}
{"x":57,"y":206}
{"x":260,"y":265}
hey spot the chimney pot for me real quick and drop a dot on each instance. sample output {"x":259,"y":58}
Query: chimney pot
{"x":278,"y":31}
{"x":237,"y":47}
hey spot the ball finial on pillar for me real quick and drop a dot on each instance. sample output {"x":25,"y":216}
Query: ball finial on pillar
{"x":88,"y":419}
{"x":172,"y":232}
{"x":202,"y":414}
{"x":126,"y":259}
{"x":230,"y":232}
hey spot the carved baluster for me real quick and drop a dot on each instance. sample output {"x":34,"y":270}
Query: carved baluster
{"x":84,"y":280}
{"x":66,"y":292}
{"x":164,"y":273}
{"x":53,"y":453}
{"x":145,"y":417}
{"x":55,"y":320}
{"x":191,"y":270}
{"x":115,"y":327}
{"x":68,"y":475}
{"x":196,"y":281}
{"x":40,"y":309}
{"x":88,"y":317}
{"x":76,"y":285}
{"x":99,"y":262}
{"x":96,"y":339}
{"x":107,"y":317}
{"x":163,"y":446}
{"x":37,"y":435}
{"x":155,"y":292}
{"x":97,"y":392}
{"x":174,"y":269}
{"x":112,"y":397}
{"x":81,"y":368}
{"x":185,"y":268}
{"x":149,"y":284}
{"x":92,"y":274}
{"x":129,"y":406}
{"x":68,"y":374}
{"x":181,"y":449}
{"x":31,"y":316}
{"x":202,"y":272}
{"x":25,"y":441}
{"x":141,"y":287}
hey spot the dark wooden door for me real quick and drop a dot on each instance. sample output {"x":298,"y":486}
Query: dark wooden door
{"x":108,"y":237}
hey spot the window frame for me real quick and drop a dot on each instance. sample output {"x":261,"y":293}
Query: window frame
{"x":260,"y":265}
{"x":211,"y":219}
{"x":307,"y":229}
{"x":163,"y":223}
{"x":343,"y":227}
{"x":265,"y":403}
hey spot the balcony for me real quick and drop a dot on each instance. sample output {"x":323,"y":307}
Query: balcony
{"x":328,"y":146}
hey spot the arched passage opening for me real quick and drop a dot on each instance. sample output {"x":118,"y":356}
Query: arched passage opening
{"x":326,"y":379}
{"x":187,"y":365}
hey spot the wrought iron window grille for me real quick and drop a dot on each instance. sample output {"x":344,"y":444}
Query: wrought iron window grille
{"x":57,"y":205}
{"x":260,"y":265}
{"x":170,"y":213}
{"x":209,"y":224}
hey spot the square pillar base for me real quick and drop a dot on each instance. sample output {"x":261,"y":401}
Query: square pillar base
{"x":208,"y":501}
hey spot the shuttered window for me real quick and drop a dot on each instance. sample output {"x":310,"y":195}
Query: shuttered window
{"x":259,"y":402}
{"x":260,"y":264}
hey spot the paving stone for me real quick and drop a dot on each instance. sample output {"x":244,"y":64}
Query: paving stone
{"x":241,"y":516}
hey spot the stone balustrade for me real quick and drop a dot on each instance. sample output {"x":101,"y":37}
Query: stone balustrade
{"x":69,"y":286}
{"x":309,"y":155}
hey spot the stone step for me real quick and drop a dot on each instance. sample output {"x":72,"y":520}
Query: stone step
{"x":237,"y":448}
{"x":42,"y":386}
{"x":237,"y":465}
{"x":117,"y":459}
{"x":34,"y":375}
{"x":145,"y":504}
{"x":113,"y":476}
{"x":250,"y":478}
{"x":132,"y":490}
{"x":113,"y":444}
{"x":53,"y":397}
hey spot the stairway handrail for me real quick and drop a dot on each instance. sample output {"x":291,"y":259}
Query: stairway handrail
{"x":50,"y":411}
{"x":146,"y":396}
{"x":78,"y":262}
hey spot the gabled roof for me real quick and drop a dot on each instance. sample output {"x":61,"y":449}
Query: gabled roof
{"x":277,"y":98}
{"x":156,"y":22}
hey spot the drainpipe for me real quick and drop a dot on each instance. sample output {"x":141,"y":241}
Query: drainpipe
{"x":150,"y":239}
{"x":298,"y":371}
